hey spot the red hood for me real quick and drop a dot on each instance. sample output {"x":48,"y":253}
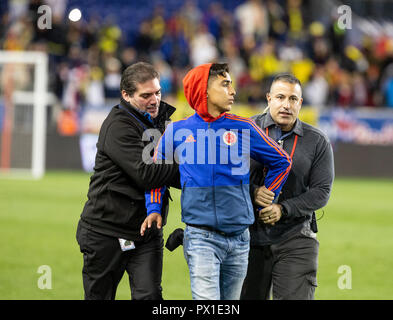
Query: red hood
{"x":195,"y":90}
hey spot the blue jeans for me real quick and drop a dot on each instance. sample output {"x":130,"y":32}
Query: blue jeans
{"x":217,"y":264}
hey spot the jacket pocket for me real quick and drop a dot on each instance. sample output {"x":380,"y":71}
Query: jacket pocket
{"x":312,"y":280}
{"x":247,"y":199}
{"x":123,"y":206}
{"x":127,"y":190}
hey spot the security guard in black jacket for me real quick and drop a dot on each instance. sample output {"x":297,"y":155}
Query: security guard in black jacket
{"x":284,"y":247}
{"x":108,"y":230}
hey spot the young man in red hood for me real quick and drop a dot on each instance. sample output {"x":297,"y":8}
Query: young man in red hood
{"x":213,"y":149}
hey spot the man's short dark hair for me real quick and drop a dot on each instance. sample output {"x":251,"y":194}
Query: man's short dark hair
{"x":287,"y":77}
{"x":218,"y":69}
{"x":137,"y":73}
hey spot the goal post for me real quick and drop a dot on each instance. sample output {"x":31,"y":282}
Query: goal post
{"x":36,"y":96}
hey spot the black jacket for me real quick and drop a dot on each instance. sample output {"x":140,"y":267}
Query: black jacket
{"x":116,"y":200}
{"x":309,"y":182}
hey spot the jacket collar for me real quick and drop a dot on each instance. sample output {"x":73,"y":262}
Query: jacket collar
{"x":218,"y":119}
{"x":165,"y":111}
{"x":268,"y":122}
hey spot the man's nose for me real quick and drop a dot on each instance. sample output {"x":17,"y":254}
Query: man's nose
{"x":154,"y":99}
{"x":286,"y":104}
{"x":232,"y":91}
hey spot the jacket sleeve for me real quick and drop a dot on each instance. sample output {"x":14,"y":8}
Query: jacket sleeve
{"x":163,"y":151}
{"x":320,"y":182}
{"x":123,"y":144}
{"x":266,"y":151}
{"x":257,"y":177}
{"x":153,"y":200}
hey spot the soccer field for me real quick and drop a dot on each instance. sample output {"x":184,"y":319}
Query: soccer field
{"x":38,"y":222}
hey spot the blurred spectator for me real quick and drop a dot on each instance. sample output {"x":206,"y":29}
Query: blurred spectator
{"x":112,"y":77}
{"x":332,"y":74}
{"x":344,"y":90}
{"x":295,"y":19}
{"x":277,"y":26}
{"x":387,"y":74}
{"x":110,"y":36}
{"x":389,"y":92}
{"x":175,"y":46}
{"x":203,"y":47}
{"x":302,"y":68}
{"x":213,"y":19}
{"x":290,"y":52}
{"x":144,"y":41}
{"x":157,"y":30}
{"x":353,"y":59}
{"x":336,"y":35}
{"x":295,"y":61}
{"x":19,"y":35}
{"x":316,"y":91}
{"x":91,"y":35}
{"x":58,"y":7}
{"x":253,"y":19}
{"x":258,"y":38}
{"x":359,"y":90}
{"x":74,"y":80}
{"x":95,"y":94}
{"x":230,"y":54}
{"x":319,"y":46}
{"x":374,"y":96}
{"x":128,"y":57}
{"x":33,"y":7}
{"x":191,"y":17}
{"x":264,"y":62}
{"x":166,"y":74}
{"x":17,"y":9}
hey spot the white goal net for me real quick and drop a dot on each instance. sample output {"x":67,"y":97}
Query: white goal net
{"x":23,"y":102}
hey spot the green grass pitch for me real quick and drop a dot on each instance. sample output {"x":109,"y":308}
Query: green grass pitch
{"x":38,"y":222}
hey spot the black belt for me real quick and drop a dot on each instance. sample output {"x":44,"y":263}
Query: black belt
{"x":207,"y":228}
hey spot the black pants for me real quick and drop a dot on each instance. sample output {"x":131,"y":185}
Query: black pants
{"x":104,"y":264}
{"x":289,"y":268}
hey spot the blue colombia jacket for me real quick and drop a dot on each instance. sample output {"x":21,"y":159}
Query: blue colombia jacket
{"x":214,"y":156}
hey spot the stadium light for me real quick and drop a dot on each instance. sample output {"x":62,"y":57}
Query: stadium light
{"x":75,"y":15}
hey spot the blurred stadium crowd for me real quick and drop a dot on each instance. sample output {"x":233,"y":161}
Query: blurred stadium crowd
{"x":258,"y":38}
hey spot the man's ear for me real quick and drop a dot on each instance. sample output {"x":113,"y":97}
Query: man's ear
{"x":268,"y":97}
{"x":125,"y":95}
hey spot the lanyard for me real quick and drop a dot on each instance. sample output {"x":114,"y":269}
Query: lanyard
{"x":141,"y":123}
{"x":281,"y":141}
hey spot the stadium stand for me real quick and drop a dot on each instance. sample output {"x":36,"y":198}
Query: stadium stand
{"x":339,"y":68}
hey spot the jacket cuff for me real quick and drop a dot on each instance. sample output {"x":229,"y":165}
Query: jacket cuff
{"x":154,"y":207}
{"x":286,"y":208}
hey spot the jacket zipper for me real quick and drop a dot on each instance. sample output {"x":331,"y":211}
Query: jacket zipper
{"x":211,"y":143}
